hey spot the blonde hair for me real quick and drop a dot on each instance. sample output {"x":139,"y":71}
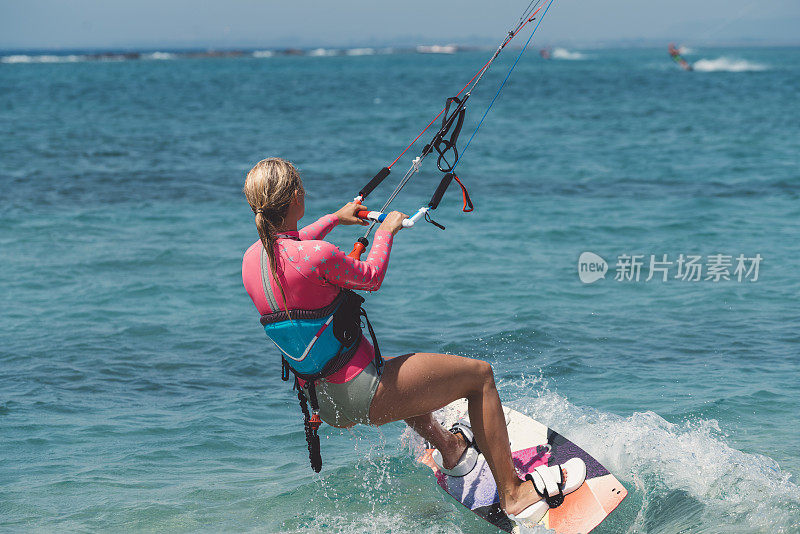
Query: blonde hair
{"x":270,"y":187}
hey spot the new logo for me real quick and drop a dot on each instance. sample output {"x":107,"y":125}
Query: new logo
{"x":591,"y":267}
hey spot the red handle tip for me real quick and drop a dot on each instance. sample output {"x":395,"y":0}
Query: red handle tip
{"x":358,"y":250}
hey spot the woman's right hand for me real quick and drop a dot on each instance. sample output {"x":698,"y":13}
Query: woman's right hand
{"x":393,"y":222}
{"x":347,"y":214}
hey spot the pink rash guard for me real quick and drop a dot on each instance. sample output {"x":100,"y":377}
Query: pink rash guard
{"x":312,"y":271}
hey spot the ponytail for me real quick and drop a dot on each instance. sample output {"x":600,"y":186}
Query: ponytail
{"x":266,"y":231}
{"x":270,"y":187}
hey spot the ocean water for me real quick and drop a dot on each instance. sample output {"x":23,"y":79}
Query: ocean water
{"x":137,"y":390}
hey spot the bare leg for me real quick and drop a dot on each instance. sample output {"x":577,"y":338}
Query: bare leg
{"x":451,"y":446}
{"x":414,"y":385}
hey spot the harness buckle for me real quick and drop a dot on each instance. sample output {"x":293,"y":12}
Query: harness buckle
{"x":314,"y":421}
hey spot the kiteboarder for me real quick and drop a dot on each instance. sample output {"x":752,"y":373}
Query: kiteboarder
{"x":302,"y":287}
{"x":675,"y":54}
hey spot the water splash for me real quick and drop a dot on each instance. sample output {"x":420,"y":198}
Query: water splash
{"x":679,"y":470}
{"x":563,"y":53}
{"x":682,"y":476}
{"x":358,"y":523}
{"x":42,"y":58}
{"x":724,"y":64}
{"x":160,"y":56}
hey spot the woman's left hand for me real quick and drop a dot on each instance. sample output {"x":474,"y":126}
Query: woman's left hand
{"x":347,"y":214}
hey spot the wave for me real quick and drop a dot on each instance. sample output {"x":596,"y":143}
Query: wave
{"x":563,"y":53}
{"x":160,"y":56}
{"x":76,"y":58}
{"x":437,"y":49}
{"x":323,"y":52}
{"x":44,"y":58}
{"x":724,"y":64}
{"x":360,"y":52}
{"x":680,"y":475}
{"x":124,"y":56}
{"x":373,"y":523}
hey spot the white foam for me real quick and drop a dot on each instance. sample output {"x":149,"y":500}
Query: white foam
{"x":437,"y":49}
{"x":658,"y":461}
{"x":660,"y":457}
{"x":376,"y":523}
{"x":360,"y":52}
{"x":322,"y":52}
{"x":45,"y":58}
{"x":724,"y":64}
{"x":563,"y":53}
{"x":159,"y":56}
{"x":263,"y":53}
{"x":17,"y":58}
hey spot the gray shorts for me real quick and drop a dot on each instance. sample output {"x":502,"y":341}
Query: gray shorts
{"x":346,"y":404}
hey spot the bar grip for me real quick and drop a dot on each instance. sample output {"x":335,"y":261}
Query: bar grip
{"x":375,"y":182}
{"x":371,"y":215}
{"x":377,"y":216}
{"x":439,"y":193}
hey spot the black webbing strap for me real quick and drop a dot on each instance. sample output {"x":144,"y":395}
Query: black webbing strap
{"x":312,"y":396}
{"x":450,"y":123}
{"x":333,"y":366}
{"x":311,"y":419}
{"x":285,"y":370}
{"x":378,"y":358}
{"x":283,"y":315}
{"x":310,"y":423}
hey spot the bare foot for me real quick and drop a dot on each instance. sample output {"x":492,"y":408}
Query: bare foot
{"x":453,"y":451}
{"x":523,"y":497}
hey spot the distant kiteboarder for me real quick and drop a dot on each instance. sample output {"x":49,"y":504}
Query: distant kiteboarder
{"x":545,"y":52}
{"x":675,"y":54}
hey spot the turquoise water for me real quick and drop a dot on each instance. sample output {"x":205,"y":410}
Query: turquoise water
{"x":137,"y":391}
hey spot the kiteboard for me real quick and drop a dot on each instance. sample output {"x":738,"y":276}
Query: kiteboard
{"x":532,"y":445}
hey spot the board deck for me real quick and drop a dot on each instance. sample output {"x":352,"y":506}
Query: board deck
{"x":532,"y":445}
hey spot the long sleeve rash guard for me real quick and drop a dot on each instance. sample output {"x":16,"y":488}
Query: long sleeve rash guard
{"x":312,"y":272}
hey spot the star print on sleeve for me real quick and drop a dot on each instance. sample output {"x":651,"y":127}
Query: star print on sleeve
{"x":325,"y":263}
{"x":345,"y":271}
{"x":320,"y":228}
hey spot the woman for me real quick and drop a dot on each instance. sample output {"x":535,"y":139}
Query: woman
{"x":291,"y":274}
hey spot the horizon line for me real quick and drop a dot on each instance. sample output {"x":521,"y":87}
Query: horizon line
{"x":638,"y":43}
